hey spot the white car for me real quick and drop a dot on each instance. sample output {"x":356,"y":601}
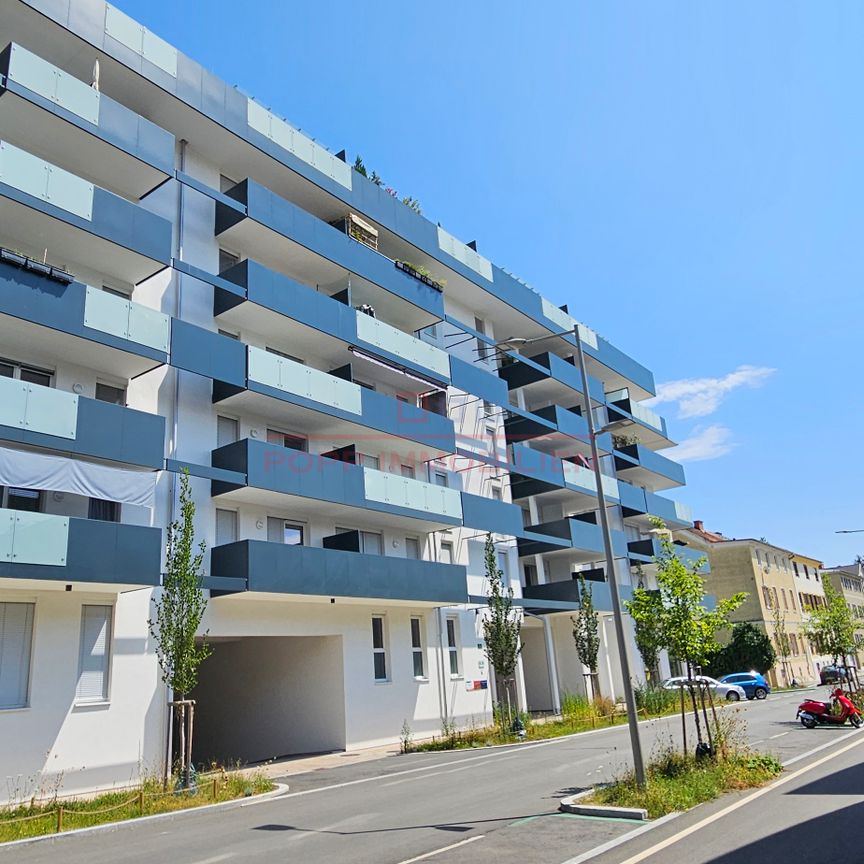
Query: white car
{"x":729,"y":692}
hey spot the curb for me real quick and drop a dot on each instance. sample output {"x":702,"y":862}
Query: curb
{"x":571,"y":804}
{"x":281,"y":789}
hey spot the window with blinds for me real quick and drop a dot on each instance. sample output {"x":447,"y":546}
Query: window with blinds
{"x":94,"y":657}
{"x":16,"y":638}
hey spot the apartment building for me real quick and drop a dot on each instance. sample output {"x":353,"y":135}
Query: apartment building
{"x":849,"y":581}
{"x":189,"y":282}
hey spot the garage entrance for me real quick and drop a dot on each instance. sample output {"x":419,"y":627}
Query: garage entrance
{"x":265,"y":697}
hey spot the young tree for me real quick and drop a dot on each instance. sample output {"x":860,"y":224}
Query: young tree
{"x":749,"y":648}
{"x":501,"y":626}
{"x":782,"y":642}
{"x":645,"y":608}
{"x":179,"y":611}
{"x":832,"y":627}
{"x":586,"y":634}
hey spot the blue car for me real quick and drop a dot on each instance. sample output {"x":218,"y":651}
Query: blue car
{"x":753,"y":684}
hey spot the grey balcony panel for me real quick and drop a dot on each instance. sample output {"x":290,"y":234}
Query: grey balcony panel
{"x":648,"y":468}
{"x":208,"y":353}
{"x":567,"y":591}
{"x":312,"y":571}
{"x":105,"y":553}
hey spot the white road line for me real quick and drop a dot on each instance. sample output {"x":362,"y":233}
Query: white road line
{"x":815,"y":750}
{"x":715,"y":817}
{"x":778,"y":735}
{"x":611,"y":844}
{"x":443,"y":849}
{"x":224,"y":857}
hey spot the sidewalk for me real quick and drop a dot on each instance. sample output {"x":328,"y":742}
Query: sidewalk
{"x":302,"y":764}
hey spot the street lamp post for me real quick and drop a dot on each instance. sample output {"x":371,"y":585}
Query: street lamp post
{"x":629,"y":698}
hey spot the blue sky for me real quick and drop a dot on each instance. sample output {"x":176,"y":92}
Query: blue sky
{"x":686,"y":176}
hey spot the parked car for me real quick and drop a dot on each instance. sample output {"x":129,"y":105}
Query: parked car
{"x":729,"y":692}
{"x":832,"y":674}
{"x":753,"y":684}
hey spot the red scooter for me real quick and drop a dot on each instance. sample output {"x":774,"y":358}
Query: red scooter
{"x":835,"y":713}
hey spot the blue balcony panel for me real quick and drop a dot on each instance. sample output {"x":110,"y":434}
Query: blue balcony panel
{"x":310,"y":484}
{"x":110,"y":555}
{"x":566,"y":591}
{"x":47,"y":111}
{"x":42,"y":316}
{"x":103,"y":431}
{"x":487,"y":514}
{"x":78,"y":222}
{"x":307,"y":571}
{"x":639,"y":465}
{"x":282,"y":235}
{"x":228,"y":118}
{"x":573,"y":538}
{"x":547,"y":378}
{"x":647,"y":549}
{"x":554,"y":430}
{"x":312,"y":322}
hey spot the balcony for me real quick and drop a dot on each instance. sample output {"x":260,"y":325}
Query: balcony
{"x":45,"y":207}
{"x":327,"y":406}
{"x":54,"y":419}
{"x":313,"y":323}
{"x":577,"y":540}
{"x":554,"y":430}
{"x":547,"y":378}
{"x":54,"y":115}
{"x":641,"y":466}
{"x":307,"y":571}
{"x":563,"y":596}
{"x":315,"y":485}
{"x":42,"y":547}
{"x":76,"y":323}
{"x":645,"y":550}
{"x":288,"y":239}
{"x":644,"y":425}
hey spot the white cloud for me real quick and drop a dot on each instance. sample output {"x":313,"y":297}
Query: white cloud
{"x":709,"y":442}
{"x":699,"y":397}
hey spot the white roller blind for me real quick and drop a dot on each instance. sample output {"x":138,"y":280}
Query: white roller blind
{"x":275,"y":530}
{"x":16,"y":636}
{"x":95,"y":653}
{"x":226,"y":526}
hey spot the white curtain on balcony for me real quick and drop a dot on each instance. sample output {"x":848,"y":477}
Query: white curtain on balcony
{"x":61,"y":474}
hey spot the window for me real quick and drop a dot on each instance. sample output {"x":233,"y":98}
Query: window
{"x":23,"y":499}
{"x":530,"y":571}
{"x":440,"y":478}
{"x":488,"y":408}
{"x":412,"y":548}
{"x":283,"y":531}
{"x":785,"y":602}
{"x":446,"y":552}
{"x":417,"y":647}
{"x":103,"y":511}
{"x":371,"y":543}
{"x":287,"y":439}
{"x":110,"y":393}
{"x":483,"y":350}
{"x":30,"y":374}
{"x":408,"y":471}
{"x":758,"y":557}
{"x":496,"y":493}
{"x":766,"y":596}
{"x":227,"y":260}
{"x":453,"y":644}
{"x":94,"y":656}
{"x":503,"y":563}
{"x":226,"y":526}
{"x":795,"y":567}
{"x":379,"y":649}
{"x":227,"y":431}
{"x":368,"y":461}
{"x":493,"y":440}
{"x":16,"y":639}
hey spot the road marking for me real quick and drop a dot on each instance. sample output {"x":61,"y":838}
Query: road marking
{"x":611,"y":844}
{"x":778,"y":735}
{"x":815,"y":750}
{"x":443,"y":849}
{"x":224,"y":857}
{"x":715,"y":817}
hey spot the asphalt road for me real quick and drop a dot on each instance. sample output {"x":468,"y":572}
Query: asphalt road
{"x":497,"y":805}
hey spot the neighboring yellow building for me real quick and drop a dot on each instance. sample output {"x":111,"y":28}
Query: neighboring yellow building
{"x":848,"y":579}
{"x":765,"y":572}
{"x":811,"y":594}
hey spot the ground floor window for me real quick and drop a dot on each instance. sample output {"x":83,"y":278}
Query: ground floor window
{"x":453,"y":643}
{"x":16,"y":639}
{"x":94,"y":655}
{"x":417,"y":647}
{"x":379,"y":648}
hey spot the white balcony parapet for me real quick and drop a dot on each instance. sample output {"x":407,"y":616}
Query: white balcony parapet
{"x":579,"y":475}
{"x":38,"y":409}
{"x":36,"y":177}
{"x":464,"y":253}
{"x":53,"y":84}
{"x":411,"y":494}
{"x":402,"y":344}
{"x":33,"y":538}
{"x":566,"y":321}
{"x":139,"y":39}
{"x":292,"y":377}
{"x":126,"y":320}
{"x":294,"y":141}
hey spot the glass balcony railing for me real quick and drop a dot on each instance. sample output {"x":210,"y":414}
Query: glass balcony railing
{"x":53,"y":84}
{"x":36,"y":177}
{"x":579,"y":475}
{"x":292,"y":377}
{"x":126,"y":320}
{"x":402,"y":344}
{"x":464,"y":254}
{"x":139,"y":39}
{"x":683,"y":511}
{"x":38,"y":409}
{"x":411,"y":494}
{"x":33,"y":538}
{"x":640,"y":412}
